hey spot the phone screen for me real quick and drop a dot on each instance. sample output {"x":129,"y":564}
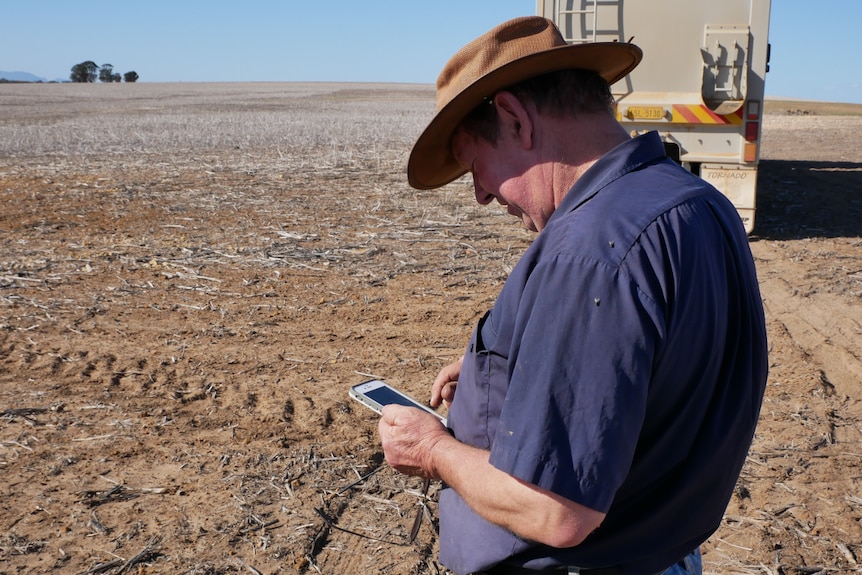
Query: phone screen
{"x":386,"y":395}
{"x":376,"y":394}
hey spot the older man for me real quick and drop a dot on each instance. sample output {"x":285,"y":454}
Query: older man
{"x":604,"y":407}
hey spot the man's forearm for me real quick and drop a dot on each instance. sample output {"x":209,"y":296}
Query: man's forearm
{"x":525,"y":509}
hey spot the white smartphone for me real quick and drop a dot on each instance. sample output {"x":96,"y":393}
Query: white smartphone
{"x":375,"y":394}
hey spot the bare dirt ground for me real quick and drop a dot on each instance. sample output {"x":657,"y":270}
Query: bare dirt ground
{"x":191,"y":277}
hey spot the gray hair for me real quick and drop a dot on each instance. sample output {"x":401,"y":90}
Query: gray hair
{"x":558,"y":94}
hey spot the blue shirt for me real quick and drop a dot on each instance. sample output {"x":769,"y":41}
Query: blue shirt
{"x":622,"y":367}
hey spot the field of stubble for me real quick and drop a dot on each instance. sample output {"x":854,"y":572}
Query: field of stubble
{"x":191,"y":276}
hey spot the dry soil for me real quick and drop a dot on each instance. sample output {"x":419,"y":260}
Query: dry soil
{"x":180,"y":323}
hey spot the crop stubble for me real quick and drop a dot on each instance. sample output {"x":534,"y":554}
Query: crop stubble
{"x":192,"y":275}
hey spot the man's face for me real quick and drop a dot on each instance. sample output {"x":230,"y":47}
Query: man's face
{"x":501,"y":172}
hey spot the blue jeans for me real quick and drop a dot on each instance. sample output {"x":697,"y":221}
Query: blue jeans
{"x":691,"y":564}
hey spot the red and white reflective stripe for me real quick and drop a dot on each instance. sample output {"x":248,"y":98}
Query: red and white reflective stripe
{"x":699,"y":114}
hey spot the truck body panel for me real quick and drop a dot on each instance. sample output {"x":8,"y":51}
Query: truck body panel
{"x":700,"y":84}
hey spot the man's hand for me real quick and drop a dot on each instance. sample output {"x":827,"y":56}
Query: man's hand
{"x":443,"y":389}
{"x":408,"y":436}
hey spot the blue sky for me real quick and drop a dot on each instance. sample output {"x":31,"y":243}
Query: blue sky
{"x":343,"y":40}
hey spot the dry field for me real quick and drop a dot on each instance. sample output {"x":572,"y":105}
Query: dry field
{"x":191,"y":276}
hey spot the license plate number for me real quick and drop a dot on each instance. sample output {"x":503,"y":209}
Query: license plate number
{"x":645,"y":113}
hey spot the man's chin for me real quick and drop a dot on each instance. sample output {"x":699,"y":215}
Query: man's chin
{"x":525,"y":219}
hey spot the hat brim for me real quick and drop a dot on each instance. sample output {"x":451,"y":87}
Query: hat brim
{"x":432,"y":165}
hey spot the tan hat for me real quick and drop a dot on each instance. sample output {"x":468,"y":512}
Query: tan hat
{"x":510,"y":53}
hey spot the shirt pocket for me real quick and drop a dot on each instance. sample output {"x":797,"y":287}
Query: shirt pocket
{"x":482,"y":386}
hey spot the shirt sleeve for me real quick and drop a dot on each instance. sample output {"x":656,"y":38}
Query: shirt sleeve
{"x":579,"y":373}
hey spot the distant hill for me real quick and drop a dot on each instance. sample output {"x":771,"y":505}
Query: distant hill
{"x":24,"y":77}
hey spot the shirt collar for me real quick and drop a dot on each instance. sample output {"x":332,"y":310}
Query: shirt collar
{"x":624,"y":158}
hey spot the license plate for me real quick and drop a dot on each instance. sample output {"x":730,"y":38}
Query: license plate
{"x":645,"y":113}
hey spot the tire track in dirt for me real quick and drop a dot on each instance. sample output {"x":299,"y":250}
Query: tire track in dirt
{"x":826,"y":326}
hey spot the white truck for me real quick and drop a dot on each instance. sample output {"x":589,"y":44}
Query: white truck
{"x":700,"y":84}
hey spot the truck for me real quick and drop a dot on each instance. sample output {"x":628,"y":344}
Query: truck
{"x":700,"y":84}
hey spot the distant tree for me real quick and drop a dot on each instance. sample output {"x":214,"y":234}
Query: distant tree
{"x":84,"y":72}
{"x":116,"y":77}
{"x":130,"y":76}
{"x":106,"y":73}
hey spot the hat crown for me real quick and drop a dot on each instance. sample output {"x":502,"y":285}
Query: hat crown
{"x":499,"y":46}
{"x":512,"y":52}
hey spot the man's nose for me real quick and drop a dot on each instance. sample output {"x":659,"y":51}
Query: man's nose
{"x":483,"y":197}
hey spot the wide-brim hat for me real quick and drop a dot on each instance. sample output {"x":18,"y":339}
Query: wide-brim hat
{"x":510,"y":53}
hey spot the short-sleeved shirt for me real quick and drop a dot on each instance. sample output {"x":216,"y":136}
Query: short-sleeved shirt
{"x":622,"y":367}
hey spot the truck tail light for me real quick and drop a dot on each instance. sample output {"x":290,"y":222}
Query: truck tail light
{"x":752,"y":130}
{"x":752,"y":120}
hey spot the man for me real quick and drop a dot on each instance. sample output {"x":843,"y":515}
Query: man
{"x":604,"y":407}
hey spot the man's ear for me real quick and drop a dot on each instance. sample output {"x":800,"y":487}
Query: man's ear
{"x":515,"y":118}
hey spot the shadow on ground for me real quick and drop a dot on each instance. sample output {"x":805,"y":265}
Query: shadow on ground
{"x":798,"y":199}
